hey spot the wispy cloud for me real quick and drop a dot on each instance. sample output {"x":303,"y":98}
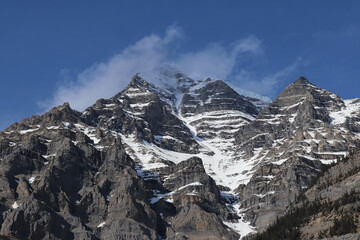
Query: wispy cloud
{"x":341,"y":34}
{"x":264,"y":85}
{"x":105,"y":79}
{"x":152,"y":53}
{"x":215,"y":60}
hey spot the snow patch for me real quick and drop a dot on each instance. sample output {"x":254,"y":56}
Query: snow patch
{"x":31,"y":180}
{"x":28,"y":131}
{"x":49,"y":156}
{"x":351,"y":106}
{"x":279,"y":162}
{"x":190,"y":184}
{"x":101,"y":225}
{"x":15,"y":205}
{"x":53,"y":127}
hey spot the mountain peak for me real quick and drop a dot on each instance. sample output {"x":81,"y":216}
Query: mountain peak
{"x":301,"y":81}
{"x":297,"y":90}
{"x":137,"y":81}
{"x":302,"y":90}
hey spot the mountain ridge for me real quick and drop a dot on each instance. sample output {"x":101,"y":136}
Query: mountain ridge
{"x":163,"y":136}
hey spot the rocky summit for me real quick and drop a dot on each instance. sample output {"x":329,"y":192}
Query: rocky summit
{"x":178,"y":159}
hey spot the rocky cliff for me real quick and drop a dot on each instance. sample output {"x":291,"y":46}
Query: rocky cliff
{"x":290,"y":141}
{"x":188,"y":160}
{"x":328,"y":209}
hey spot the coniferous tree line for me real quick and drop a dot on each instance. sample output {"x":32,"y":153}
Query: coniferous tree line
{"x":288,"y":226}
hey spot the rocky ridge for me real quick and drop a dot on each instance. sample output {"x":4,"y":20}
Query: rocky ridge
{"x":329,"y":209}
{"x":290,"y":141}
{"x":191,"y":160}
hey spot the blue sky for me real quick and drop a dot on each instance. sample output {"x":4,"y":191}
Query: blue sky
{"x":78,"y":51}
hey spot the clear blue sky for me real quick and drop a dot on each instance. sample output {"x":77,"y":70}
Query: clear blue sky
{"x":44,"y":45}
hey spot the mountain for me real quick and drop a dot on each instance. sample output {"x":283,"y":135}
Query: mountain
{"x":179,"y":159}
{"x":290,"y":141}
{"x":328,"y":209}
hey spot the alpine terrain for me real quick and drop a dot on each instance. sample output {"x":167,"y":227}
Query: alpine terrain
{"x":184,"y":159}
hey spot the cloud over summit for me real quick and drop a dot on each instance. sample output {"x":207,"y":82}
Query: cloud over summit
{"x":154,"y":52}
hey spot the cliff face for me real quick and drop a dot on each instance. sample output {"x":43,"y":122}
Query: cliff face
{"x":329,"y":209}
{"x":290,"y":141}
{"x":194,"y":160}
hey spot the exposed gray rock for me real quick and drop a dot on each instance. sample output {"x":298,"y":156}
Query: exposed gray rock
{"x":290,"y":140}
{"x":125,"y":168}
{"x":199,"y":208}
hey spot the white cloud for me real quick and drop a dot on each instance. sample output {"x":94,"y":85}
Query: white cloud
{"x":216,"y":61}
{"x":102,"y":80}
{"x":264,"y":85}
{"x":148,"y":56}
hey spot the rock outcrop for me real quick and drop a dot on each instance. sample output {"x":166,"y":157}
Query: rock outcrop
{"x":329,"y":209}
{"x":290,"y":141}
{"x":180,"y":159}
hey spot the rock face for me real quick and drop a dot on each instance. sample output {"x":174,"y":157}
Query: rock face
{"x":290,"y":141}
{"x":329,"y":209}
{"x":180,"y":159}
{"x":339,"y":186}
{"x":67,"y":174}
{"x":199,"y":210}
{"x":139,"y":111}
{"x":58,"y":184}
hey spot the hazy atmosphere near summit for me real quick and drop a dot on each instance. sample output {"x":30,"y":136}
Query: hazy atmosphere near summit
{"x":180,"y":120}
{"x":80,"y":51}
